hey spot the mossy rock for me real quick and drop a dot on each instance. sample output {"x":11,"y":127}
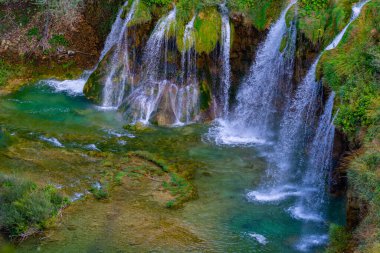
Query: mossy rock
{"x":207,"y":30}
{"x":284,"y":42}
{"x":93,"y":89}
{"x":290,"y":15}
{"x":138,"y":127}
{"x":260,"y":13}
{"x":205,"y":96}
{"x":142,"y":14}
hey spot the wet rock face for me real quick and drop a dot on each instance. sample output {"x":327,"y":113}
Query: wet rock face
{"x":93,"y":88}
{"x":245,"y":43}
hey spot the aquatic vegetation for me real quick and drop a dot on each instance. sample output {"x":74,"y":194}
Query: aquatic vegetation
{"x":26,"y":208}
{"x":180,"y":188}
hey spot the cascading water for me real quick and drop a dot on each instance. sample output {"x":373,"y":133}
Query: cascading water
{"x":319,"y":164}
{"x":185,"y":98}
{"x":115,"y":83}
{"x":298,"y":124}
{"x":76,"y":86}
{"x":143,"y":101}
{"x":159,"y":90}
{"x":252,"y":119}
{"x":299,"y":119}
{"x":225,"y":52}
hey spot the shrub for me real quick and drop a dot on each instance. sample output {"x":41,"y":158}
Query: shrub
{"x":58,"y":40}
{"x":339,"y":239}
{"x":26,"y":208}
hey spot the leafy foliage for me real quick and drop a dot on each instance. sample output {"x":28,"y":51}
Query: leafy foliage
{"x":352,"y":71}
{"x":260,"y":13}
{"x":58,"y":40}
{"x":339,"y":239}
{"x":26,"y":208}
{"x":321,"y":21}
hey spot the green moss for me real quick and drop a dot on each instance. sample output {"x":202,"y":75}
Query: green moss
{"x":207,"y":30}
{"x":93,"y":89}
{"x":320,"y":23}
{"x":351,"y":71}
{"x":142,"y":14}
{"x":180,"y":188}
{"x":58,"y":40}
{"x":138,"y":128}
{"x":339,"y":239}
{"x":260,"y":13}
{"x":205,"y":96}
{"x":6,"y":71}
{"x":290,"y":15}
{"x":284,"y":42}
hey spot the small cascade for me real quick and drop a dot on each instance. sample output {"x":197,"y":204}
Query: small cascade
{"x":251,"y":121}
{"x":119,"y":70}
{"x":297,"y":123}
{"x":319,"y":164}
{"x":225,"y":53}
{"x":160,"y":94}
{"x":75,"y":87}
{"x":145,"y":98}
{"x":185,"y":98}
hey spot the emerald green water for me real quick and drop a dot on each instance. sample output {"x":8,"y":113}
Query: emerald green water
{"x":221,"y":217}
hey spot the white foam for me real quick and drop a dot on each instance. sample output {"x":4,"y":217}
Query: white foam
{"x":310,"y":241}
{"x":92,"y":147}
{"x":106,"y":108}
{"x":72,"y":87}
{"x":274,"y":194}
{"x":54,"y":141}
{"x":227,"y":133}
{"x":76,"y":196}
{"x":118,"y":134}
{"x":259,"y":238}
{"x":299,"y":213}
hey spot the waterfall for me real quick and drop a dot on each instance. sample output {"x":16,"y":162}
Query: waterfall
{"x":299,"y":119}
{"x":115,"y":83}
{"x":75,"y":86}
{"x":185,"y":98}
{"x":251,"y":121}
{"x":318,"y":167}
{"x":225,"y":52}
{"x":143,"y":101}
{"x":159,"y":93}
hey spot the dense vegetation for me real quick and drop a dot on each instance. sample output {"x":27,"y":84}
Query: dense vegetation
{"x":26,"y":208}
{"x":352,"y":70}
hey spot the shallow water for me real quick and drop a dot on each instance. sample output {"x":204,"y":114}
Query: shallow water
{"x":52,"y":132}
